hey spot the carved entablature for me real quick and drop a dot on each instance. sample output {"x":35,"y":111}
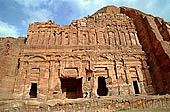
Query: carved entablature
{"x":70,"y":66}
{"x":110,"y":29}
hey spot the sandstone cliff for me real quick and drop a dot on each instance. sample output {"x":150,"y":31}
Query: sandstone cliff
{"x":10,"y":50}
{"x":153,"y":33}
{"x":154,"y":36}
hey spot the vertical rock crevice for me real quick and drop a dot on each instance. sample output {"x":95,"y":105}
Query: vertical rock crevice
{"x":10,"y":51}
{"x":154,"y":37}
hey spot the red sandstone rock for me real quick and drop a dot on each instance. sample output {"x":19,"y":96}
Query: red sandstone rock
{"x":154,"y":36}
{"x":10,"y":51}
{"x":99,"y":55}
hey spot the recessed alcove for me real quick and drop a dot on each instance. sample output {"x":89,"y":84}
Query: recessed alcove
{"x":72,"y":87}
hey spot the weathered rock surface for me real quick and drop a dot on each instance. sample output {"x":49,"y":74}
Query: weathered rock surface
{"x":102,"y":45}
{"x":154,"y":36}
{"x":98,"y":55}
{"x":10,"y":50}
{"x":107,"y":104}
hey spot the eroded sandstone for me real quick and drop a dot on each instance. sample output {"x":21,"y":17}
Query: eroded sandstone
{"x":154,"y":36}
{"x":10,"y":51}
{"x":99,"y":55}
{"x":114,"y":52}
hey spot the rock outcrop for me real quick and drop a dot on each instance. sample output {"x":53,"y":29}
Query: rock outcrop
{"x":99,"y":55}
{"x":10,"y":52}
{"x":154,"y":36}
{"x":114,"y":52}
{"x":107,"y":104}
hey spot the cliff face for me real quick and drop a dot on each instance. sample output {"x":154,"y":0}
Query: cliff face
{"x":102,"y":49}
{"x":125,"y":25}
{"x":154,"y":36}
{"x":10,"y":50}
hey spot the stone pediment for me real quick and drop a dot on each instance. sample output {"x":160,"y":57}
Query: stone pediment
{"x":37,"y":58}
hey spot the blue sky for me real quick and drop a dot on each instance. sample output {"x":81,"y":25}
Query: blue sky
{"x":15,"y":15}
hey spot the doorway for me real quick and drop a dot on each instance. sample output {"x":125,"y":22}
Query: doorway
{"x":136,"y":88}
{"x":72,"y":87}
{"x":102,"y":89}
{"x":33,"y":90}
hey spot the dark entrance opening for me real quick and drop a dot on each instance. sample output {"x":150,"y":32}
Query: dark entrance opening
{"x":33,"y":90}
{"x":72,"y":87}
{"x":136,"y":88}
{"x":102,"y":89}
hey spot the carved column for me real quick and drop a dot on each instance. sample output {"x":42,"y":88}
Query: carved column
{"x":62,"y":38}
{"x":44,"y":79}
{"x":112,"y":39}
{"x":141,"y":79}
{"x":140,"y":73}
{"x":73,"y":37}
{"x":80,"y":37}
{"x":41,"y":37}
{"x":46,"y":37}
{"x":51,"y":77}
{"x":128,"y":75}
{"x":95,"y":86}
{"x":93,"y":37}
{"x":59,"y":38}
{"x":128,"y":40}
{"x":137,"y":40}
{"x":65,"y":38}
{"x":52,"y":38}
{"x":85,"y":38}
{"x":117,"y":38}
{"x":120,"y":71}
{"x":35,"y":38}
{"x":111,"y":73}
{"x":133,"y":39}
{"x":57,"y":83}
{"x":122,"y":38}
{"x":100,"y":37}
{"x":106,"y":38}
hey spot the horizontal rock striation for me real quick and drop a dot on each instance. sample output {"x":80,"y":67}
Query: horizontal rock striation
{"x":109,"y":104}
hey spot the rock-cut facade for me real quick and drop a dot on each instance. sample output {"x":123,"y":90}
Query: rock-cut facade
{"x":98,"y":55}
